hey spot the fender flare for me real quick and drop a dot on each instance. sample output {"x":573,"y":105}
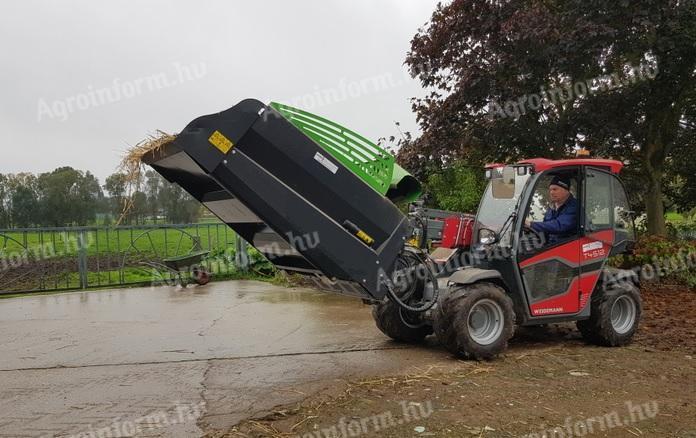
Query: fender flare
{"x":472,"y":275}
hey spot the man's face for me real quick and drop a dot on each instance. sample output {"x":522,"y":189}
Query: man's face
{"x":558,"y":194}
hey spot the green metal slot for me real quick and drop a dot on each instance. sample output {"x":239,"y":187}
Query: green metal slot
{"x":368,"y":161}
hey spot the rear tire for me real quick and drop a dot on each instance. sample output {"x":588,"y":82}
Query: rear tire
{"x":475,"y":321}
{"x":614,"y":316}
{"x":397,"y":324}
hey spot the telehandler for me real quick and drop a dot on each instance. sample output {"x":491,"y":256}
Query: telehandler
{"x":321,"y":200}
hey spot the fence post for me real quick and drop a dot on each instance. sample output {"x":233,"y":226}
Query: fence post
{"x":241,"y":256}
{"x":82,"y":258}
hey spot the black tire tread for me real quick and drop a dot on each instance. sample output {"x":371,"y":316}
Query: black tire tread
{"x":388,"y":320}
{"x":451,"y":326}
{"x":598,"y":329}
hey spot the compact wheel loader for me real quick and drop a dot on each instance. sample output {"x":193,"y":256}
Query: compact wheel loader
{"x":318,"y":199}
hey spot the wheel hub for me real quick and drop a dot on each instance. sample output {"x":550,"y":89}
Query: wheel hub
{"x":485,"y":322}
{"x":623,"y":314}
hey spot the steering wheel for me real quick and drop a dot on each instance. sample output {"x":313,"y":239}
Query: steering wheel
{"x":535,"y":235}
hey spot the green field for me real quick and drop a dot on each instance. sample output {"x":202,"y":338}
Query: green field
{"x":47,"y":259}
{"x":162,"y":241}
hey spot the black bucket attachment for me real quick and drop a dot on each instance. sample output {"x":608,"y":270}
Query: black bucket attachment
{"x":289,"y":198}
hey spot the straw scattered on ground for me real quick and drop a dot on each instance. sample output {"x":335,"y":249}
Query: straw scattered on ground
{"x":291,"y":419}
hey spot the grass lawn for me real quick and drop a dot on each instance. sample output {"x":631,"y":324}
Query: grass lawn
{"x":674,"y":217}
{"x":116,"y":256}
{"x":142,"y":279}
{"x":161,"y":241}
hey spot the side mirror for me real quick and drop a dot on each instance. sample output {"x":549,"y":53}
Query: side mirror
{"x":487,"y":237}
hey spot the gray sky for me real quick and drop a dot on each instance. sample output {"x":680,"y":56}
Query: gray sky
{"x":82,"y":80}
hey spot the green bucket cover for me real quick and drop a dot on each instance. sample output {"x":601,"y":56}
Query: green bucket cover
{"x":370,"y":162}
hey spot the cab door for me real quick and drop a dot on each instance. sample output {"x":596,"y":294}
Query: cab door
{"x":606,"y":227}
{"x":551,"y":273}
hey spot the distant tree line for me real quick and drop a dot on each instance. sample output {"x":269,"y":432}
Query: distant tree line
{"x":70,"y":197}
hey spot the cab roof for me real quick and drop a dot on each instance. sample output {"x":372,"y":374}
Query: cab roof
{"x":542,"y":164}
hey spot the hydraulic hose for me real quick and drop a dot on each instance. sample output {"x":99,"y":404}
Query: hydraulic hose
{"x":428,"y":304}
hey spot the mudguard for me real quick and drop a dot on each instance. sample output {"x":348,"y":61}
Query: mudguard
{"x":470,"y":275}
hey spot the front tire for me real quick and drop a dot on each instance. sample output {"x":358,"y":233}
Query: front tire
{"x":399,"y":324}
{"x":614,"y":316}
{"x":475,"y":321}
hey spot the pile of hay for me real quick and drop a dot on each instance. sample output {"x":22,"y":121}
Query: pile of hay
{"x":132,"y":166}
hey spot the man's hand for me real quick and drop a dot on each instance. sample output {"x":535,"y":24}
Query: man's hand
{"x":528,"y":223}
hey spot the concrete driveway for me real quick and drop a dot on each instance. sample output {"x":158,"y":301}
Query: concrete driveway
{"x":174,"y":362}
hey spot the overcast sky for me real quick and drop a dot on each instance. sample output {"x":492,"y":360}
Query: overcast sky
{"x":82,"y":80}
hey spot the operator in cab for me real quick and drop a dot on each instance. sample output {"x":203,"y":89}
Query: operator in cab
{"x":561,"y":219}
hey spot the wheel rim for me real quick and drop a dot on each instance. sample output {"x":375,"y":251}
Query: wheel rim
{"x":623,"y":314}
{"x":404,"y":288}
{"x":485,"y":322}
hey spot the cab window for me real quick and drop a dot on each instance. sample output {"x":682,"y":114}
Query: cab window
{"x":540,"y":202}
{"x":623,"y":216}
{"x":598,"y":192}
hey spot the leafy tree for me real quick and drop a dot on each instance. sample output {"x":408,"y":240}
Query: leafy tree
{"x":88,"y":194}
{"x":457,"y":188}
{"x":681,"y":171}
{"x":67,"y":197}
{"x":115,"y":186}
{"x":156,"y":197}
{"x":57,"y":189}
{"x":178,"y":206}
{"x":139,"y":208}
{"x":504,"y":81}
{"x":25,"y":206}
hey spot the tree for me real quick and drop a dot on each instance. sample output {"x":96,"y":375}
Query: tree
{"x":4,"y":203}
{"x":153,"y":185}
{"x":457,"y":188}
{"x":22,"y":200}
{"x":56,"y":189}
{"x":525,"y":78}
{"x":681,"y":171}
{"x":139,"y":207}
{"x":67,"y":197}
{"x":115,"y":186}
{"x":178,"y":206}
{"x":24,"y":206}
{"x":88,"y":195}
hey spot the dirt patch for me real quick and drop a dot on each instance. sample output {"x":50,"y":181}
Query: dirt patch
{"x":669,"y":318}
{"x":50,"y":273}
{"x":56,"y":272}
{"x":548,"y":380}
{"x":520,"y":394}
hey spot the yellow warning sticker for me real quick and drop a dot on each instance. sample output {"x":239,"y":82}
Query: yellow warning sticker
{"x":365,"y":237}
{"x":221,"y":142}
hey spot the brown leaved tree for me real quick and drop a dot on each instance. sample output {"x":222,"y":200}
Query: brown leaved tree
{"x":525,"y":78}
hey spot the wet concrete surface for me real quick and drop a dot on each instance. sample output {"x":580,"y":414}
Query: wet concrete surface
{"x":171,"y":362}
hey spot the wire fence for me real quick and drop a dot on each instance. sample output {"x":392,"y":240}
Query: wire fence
{"x":64,"y":258}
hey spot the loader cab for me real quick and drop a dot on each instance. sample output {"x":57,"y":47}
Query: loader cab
{"x":552,"y":275}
